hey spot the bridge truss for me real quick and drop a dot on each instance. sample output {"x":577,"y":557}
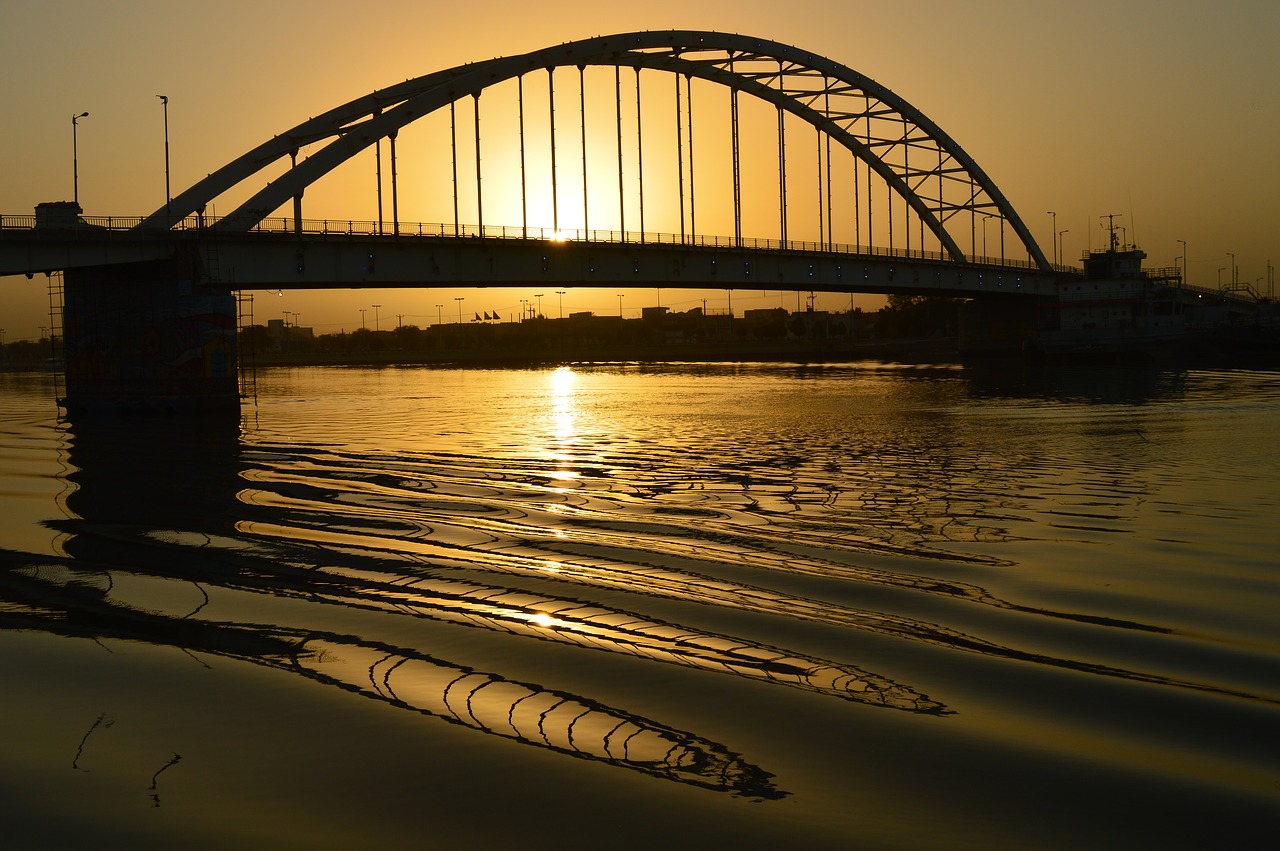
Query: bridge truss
{"x":908,"y":172}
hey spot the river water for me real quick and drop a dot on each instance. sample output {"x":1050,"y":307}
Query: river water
{"x":861,"y":606}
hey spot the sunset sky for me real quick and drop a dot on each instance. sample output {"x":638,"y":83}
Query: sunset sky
{"x":1166,"y":112}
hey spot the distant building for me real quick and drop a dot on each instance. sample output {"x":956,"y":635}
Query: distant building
{"x":285,"y":337}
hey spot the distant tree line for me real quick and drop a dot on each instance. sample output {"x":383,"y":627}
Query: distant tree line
{"x":904,"y":317}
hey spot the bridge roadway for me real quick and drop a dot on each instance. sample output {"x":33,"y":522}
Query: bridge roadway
{"x":284,"y":254}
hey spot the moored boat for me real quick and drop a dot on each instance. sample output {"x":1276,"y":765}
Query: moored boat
{"x":1118,"y":308}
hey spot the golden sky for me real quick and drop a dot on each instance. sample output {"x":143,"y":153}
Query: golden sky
{"x":1163,"y":111}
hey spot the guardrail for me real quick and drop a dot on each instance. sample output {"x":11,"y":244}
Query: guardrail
{"x":97,"y":226}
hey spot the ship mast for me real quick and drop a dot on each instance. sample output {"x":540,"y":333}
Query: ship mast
{"x":1111,"y":228}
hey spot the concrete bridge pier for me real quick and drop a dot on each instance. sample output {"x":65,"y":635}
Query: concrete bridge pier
{"x":148,"y":337}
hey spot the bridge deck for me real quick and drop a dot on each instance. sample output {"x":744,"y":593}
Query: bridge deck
{"x":318,"y":253}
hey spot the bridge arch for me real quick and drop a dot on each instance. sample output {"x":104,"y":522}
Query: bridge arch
{"x":942,"y":185}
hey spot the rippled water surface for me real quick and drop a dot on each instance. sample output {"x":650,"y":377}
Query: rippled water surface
{"x":863,"y":606}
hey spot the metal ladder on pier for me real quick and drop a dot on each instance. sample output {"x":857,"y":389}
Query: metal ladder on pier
{"x":57,"y":349}
{"x":246,"y":346}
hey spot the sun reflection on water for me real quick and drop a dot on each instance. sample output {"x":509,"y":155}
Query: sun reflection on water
{"x":564,"y":412}
{"x":564,"y":420}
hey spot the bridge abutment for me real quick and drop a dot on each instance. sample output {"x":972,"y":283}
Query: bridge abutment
{"x":148,"y":337}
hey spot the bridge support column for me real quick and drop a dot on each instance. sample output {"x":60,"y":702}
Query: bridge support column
{"x":146,"y":337}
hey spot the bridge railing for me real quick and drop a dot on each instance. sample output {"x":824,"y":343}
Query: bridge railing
{"x":96,"y":226}
{"x":83,"y":224}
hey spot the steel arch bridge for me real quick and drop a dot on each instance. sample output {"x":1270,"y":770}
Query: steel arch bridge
{"x":928,"y":173}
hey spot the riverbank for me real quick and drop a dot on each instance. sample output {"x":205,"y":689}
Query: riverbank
{"x":715,"y":351}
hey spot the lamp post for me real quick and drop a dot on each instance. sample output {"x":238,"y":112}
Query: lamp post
{"x":1055,"y":230}
{"x":538,"y":296}
{"x":619,"y":305}
{"x":459,"y":299}
{"x":1057,"y":248}
{"x":1232,"y":270}
{"x":561,"y":294}
{"x":1184,"y":281}
{"x":168,"y":197}
{"x":75,"y":157}
{"x":985,"y":218}
{"x":439,"y":314}
{"x":362,"y":325}
{"x":376,"y":324}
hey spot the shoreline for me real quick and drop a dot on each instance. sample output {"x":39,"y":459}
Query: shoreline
{"x":924,"y":349}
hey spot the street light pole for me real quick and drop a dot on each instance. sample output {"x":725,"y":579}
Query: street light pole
{"x":1055,"y":231}
{"x":619,"y":305}
{"x":1057,"y":249}
{"x":459,"y":299}
{"x":362,"y":325}
{"x":561,"y":294}
{"x":75,"y":157}
{"x":168,"y":197}
{"x":1185,"y":282}
{"x":538,"y":296}
{"x":439,"y":314}
{"x":376,"y":324}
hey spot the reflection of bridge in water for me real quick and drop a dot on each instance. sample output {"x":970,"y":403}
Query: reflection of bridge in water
{"x":891,"y":204}
{"x":60,"y":598}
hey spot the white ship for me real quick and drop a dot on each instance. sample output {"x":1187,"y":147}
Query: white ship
{"x":1120,"y":308}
